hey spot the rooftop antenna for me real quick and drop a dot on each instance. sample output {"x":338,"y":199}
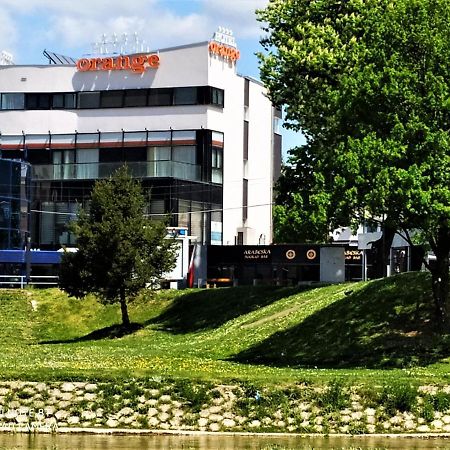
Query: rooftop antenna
{"x":124,"y":43}
{"x":115,"y":45}
{"x":6,"y":58}
{"x":104,"y":45}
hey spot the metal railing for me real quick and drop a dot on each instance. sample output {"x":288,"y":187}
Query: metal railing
{"x":20,"y":281}
{"x":92,"y":171}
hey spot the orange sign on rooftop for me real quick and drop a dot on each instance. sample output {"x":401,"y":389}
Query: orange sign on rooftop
{"x":223,"y":45}
{"x":136,"y":63}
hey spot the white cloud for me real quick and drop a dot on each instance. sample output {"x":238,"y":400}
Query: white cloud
{"x":82,"y":32}
{"x":71,"y":26}
{"x":239,"y":15}
{"x":91,"y":8}
{"x":8,"y":33}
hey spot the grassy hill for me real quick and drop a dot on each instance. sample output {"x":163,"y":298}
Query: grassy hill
{"x":366,"y":331}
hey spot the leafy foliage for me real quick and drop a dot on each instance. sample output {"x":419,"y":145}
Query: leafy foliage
{"x":120,"y":251}
{"x":398,"y":397}
{"x":368,"y":82}
{"x":335,"y":397}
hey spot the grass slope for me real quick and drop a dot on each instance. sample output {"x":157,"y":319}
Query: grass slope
{"x":254,"y":333}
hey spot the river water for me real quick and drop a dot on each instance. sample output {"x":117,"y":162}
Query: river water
{"x":9,"y":441}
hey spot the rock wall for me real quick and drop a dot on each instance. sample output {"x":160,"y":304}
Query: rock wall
{"x":184,"y":405}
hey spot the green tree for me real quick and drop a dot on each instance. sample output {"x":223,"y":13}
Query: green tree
{"x":368,"y":82}
{"x":301,"y":209}
{"x":120,"y":251}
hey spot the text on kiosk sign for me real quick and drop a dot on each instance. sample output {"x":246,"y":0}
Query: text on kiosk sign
{"x":135,"y":63}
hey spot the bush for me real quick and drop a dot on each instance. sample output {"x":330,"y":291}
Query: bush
{"x":398,"y":397}
{"x":334,"y":398}
{"x":440,"y":401}
{"x":195,"y":394}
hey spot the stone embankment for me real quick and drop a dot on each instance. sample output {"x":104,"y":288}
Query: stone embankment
{"x":195,"y":406}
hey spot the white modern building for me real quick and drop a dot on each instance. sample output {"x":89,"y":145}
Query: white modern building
{"x":203,"y":139}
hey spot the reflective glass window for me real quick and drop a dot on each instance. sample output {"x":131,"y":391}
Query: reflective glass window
{"x":13,"y":101}
{"x":111,"y":99}
{"x":160,"y":97}
{"x":135,"y":97}
{"x":89,"y":99}
{"x":185,"y":96}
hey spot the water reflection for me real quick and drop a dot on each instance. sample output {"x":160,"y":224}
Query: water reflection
{"x":212,"y":442}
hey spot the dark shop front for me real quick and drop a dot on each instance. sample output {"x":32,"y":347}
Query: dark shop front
{"x":263,"y":264}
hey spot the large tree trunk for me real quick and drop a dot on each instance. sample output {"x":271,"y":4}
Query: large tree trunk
{"x":124,"y":309}
{"x":383,"y":250}
{"x":440,"y":278}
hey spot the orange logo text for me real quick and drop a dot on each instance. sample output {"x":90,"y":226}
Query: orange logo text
{"x":224,"y":51}
{"x":137,"y":64}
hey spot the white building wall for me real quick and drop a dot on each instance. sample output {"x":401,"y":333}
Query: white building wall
{"x":230,"y":121}
{"x":259,"y":166}
{"x":258,"y":169}
{"x":112,"y":119}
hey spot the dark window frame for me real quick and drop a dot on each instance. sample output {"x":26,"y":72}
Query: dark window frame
{"x":151,"y":97}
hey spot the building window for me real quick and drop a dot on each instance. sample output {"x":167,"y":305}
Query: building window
{"x":108,"y":155}
{"x":246,"y":92}
{"x":87,"y":163}
{"x":276,"y":161}
{"x":58,"y":101}
{"x":64,"y":164}
{"x":217,"y":97}
{"x":89,"y":99}
{"x":135,"y":154}
{"x":39,"y":156}
{"x":245,"y":200}
{"x":216,"y":165}
{"x":184,"y":153}
{"x":64,"y":101}
{"x":184,"y":160}
{"x":185,"y":96}
{"x":13,"y":101}
{"x":135,"y":97}
{"x":160,"y":97}
{"x":195,"y":95}
{"x":245,"y":139}
{"x":159,"y":153}
{"x":38,"y":101}
{"x":159,"y":162}
{"x":70,"y":101}
{"x":111,"y":99}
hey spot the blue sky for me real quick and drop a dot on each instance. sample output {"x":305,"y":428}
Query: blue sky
{"x":70,"y":27}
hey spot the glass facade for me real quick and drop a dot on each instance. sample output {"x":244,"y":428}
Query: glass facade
{"x":181,"y":173}
{"x":14,"y":203}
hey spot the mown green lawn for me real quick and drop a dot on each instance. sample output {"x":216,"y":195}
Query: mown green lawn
{"x":365,"y":332}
